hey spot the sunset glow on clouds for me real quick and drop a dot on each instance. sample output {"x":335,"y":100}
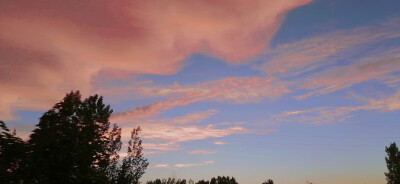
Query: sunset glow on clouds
{"x":173,"y":131}
{"x":192,"y":165}
{"x":131,"y":36}
{"x":221,"y":81}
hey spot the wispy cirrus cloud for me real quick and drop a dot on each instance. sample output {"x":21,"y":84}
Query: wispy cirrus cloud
{"x":339,"y":59}
{"x":185,"y":165}
{"x":195,"y":117}
{"x":219,"y":143}
{"x":324,"y":115}
{"x":201,"y":152}
{"x":265,"y":131}
{"x":192,"y":165}
{"x":166,"y":134}
{"x":317,"y":51}
{"x":187,"y":132}
{"x":237,"y":90}
{"x":337,"y":78}
{"x":50,"y":47}
{"x":160,"y":165}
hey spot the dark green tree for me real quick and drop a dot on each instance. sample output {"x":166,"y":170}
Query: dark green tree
{"x":213,"y":181}
{"x":222,"y":180}
{"x":393,"y":164}
{"x":167,"y":181}
{"x":203,"y":182}
{"x":13,"y":152}
{"x":134,"y":165}
{"x":74,"y":143}
{"x":269,"y":181}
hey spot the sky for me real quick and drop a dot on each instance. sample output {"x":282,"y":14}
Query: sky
{"x":289,"y":90}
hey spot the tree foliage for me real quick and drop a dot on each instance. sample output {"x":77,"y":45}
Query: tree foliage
{"x":269,"y":181}
{"x":217,"y":180}
{"x":74,"y":143}
{"x":168,"y":181}
{"x":393,"y":164}
{"x":134,"y":165}
{"x":13,"y":152}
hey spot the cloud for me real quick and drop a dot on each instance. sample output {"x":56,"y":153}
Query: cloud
{"x":317,"y":51}
{"x":265,"y":131}
{"x":219,"y":143}
{"x":188,"y":118}
{"x":160,"y":165}
{"x":184,"y":165}
{"x":336,"y":78}
{"x":390,"y":80}
{"x":166,"y":134}
{"x":237,"y":90}
{"x":234,"y":89}
{"x":50,"y":47}
{"x":325,"y":115}
{"x":201,"y":152}
{"x":192,"y":165}
{"x":174,"y":133}
{"x":164,"y":146}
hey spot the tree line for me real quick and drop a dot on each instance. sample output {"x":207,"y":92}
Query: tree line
{"x":214,"y":180}
{"x":74,"y":142}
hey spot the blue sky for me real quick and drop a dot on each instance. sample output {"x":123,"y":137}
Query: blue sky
{"x":292,"y":91}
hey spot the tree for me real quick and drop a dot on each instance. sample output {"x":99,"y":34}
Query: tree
{"x":73,"y":143}
{"x":13,"y":152}
{"x":134,"y":165}
{"x":168,"y":181}
{"x":213,"y":181}
{"x":393,"y":164}
{"x":269,"y":181}
{"x":202,"y":182}
{"x":222,"y":180}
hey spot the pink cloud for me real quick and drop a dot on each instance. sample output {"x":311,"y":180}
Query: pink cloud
{"x":163,"y":146}
{"x":161,"y":165}
{"x":192,"y":165}
{"x":265,"y":131}
{"x":325,"y":115}
{"x":180,"y":120}
{"x":167,"y":134}
{"x":51,"y":47}
{"x":237,"y":90}
{"x":202,"y":152}
{"x":219,"y":143}
{"x":313,"y":52}
{"x":390,"y":80}
{"x":234,"y":89}
{"x":186,"y":133}
{"x":337,"y":78}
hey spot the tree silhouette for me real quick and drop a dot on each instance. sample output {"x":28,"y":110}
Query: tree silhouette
{"x":168,"y":181}
{"x":203,"y":182}
{"x":393,"y":164}
{"x":73,"y":143}
{"x":134,"y":165}
{"x":269,"y":181}
{"x":13,"y":152}
{"x":213,"y":181}
{"x":219,"y":180}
